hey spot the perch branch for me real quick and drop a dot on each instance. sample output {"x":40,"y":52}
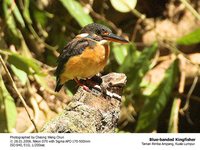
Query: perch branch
{"x":96,"y":111}
{"x":191,"y":9}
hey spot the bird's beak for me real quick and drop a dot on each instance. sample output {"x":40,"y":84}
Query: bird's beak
{"x":114,"y":38}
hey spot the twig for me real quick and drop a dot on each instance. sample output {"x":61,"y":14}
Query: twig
{"x":176,"y":51}
{"x":10,"y":10}
{"x":193,"y":97}
{"x":135,"y":29}
{"x":35,"y":107}
{"x":17,"y":92}
{"x":186,"y":106}
{"x":173,"y":123}
{"x":174,"y":117}
{"x":185,"y":109}
{"x":4,"y":52}
{"x":191,"y":9}
{"x":138,"y":14}
{"x":183,"y":75}
{"x":36,"y":114}
{"x":36,"y":36}
{"x":135,"y":12}
{"x":164,"y":58}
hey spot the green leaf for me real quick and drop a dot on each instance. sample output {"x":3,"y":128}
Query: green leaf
{"x":76,"y":10}
{"x":136,"y":69}
{"x":20,"y":74}
{"x":148,"y":87}
{"x":28,"y":65}
{"x":156,"y":102}
{"x":124,"y":5}
{"x":8,"y":110}
{"x":26,"y":12}
{"x":191,"y":38}
{"x":120,"y":52}
{"x":16,"y":12}
{"x":130,"y":59}
{"x":9,"y":19}
{"x":23,"y":46}
{"x":173,"y":121}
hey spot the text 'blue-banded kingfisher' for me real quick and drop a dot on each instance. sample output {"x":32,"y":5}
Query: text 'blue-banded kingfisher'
{"x":85,"y":55}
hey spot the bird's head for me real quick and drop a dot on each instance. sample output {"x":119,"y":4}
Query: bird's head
{"x":101,"y":33}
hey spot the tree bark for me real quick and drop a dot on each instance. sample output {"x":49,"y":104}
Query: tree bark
{"x":96,"y":111}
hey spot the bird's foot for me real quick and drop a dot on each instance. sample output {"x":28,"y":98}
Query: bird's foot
{"x":82,"y":85}
{"x":86,"y":88}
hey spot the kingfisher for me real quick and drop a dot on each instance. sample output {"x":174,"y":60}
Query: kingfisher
{"x":86,"y":55}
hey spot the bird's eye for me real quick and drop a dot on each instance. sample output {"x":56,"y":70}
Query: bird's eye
{"x":105,"y":33}
{"x":98,"y":32}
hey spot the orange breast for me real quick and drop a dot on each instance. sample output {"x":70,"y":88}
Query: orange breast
{"x":86,"y":65}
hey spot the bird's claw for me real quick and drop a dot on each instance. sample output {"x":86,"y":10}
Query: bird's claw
{"x":86,"y":88}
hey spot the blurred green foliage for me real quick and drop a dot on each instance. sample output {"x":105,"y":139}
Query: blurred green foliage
{"x":191,"y":38}
{"x":8,"y":111}
{"x":33,"y":32}
{"x":157,"y":100}
{"x":124,"y":5}
{"x":81,"y":17}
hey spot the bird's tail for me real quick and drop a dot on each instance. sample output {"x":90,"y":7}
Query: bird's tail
{"x":58,"y":86}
